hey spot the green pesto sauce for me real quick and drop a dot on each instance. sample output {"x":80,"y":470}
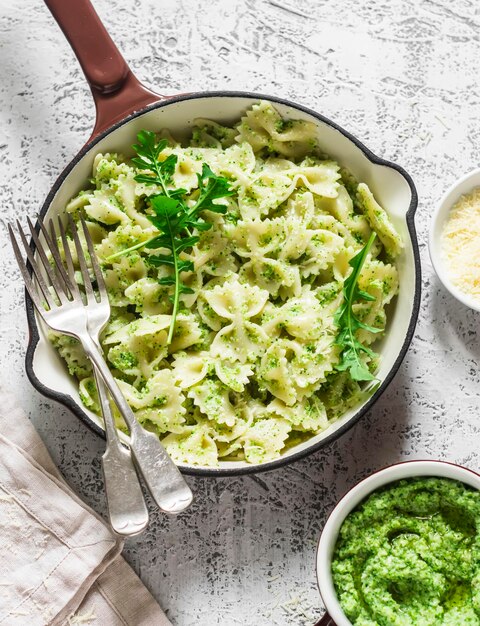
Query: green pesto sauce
{"x":409,"y":555}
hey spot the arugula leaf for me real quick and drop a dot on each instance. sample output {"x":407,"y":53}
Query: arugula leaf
{"x":349,"y":324}
{"x":148,"y":152}
{"x":216,"y":187}
{"x":173,"y":218}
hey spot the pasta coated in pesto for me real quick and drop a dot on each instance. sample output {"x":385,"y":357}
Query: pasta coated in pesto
{"x":251,"y":367}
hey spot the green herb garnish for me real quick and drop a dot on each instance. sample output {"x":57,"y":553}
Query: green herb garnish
{"x":173,"y":217}
{"x":349,"y":324}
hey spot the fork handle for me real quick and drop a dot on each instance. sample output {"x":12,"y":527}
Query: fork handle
{"x":161,"y":475}
{"x":127,"y":511}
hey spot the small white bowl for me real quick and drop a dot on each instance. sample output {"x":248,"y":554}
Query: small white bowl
{"x":326,"y":545}
{"x":458,"y":189}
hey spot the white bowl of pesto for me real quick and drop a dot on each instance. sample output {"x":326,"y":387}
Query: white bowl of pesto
{"x":402,"y":547}
{"x":255,"y":372}
{"x":454,"y":240}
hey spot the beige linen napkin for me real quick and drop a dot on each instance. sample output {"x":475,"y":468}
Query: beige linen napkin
{"x":59,"y":563}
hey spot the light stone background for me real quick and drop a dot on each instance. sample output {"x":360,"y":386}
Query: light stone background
{"x":400,"y":75}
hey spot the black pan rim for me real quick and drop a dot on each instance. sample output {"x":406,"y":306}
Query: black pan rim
{"x":68,"y":401}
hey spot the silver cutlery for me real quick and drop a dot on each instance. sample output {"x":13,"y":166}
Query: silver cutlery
{"x":127,"y":511}
{"x":60,"y":303}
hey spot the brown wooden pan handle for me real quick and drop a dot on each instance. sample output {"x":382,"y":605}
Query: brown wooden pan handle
{"x":326,"y":620}
{"x":115,"y":90}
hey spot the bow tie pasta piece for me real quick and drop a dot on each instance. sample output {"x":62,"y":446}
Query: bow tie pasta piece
{"x":228,"y":437}
{"x":114,"y":199}
{"x":263,"y":193}
{"x":289,"y":369}
{"x":236,"y":301}
{"x":356,"y":228}
{"x":379,"y":221}
{"x":107,"y":167}
{"x":96,"y":232}
{"x":308,"y":415}
{"x":300,"y":207}
{"x":275,"y":275}
{"x":278,"y":179}
{"x":382,"y":275}
{"x":146,"y":326}
{"x":297,"y":240}
{"x":192,"y":280}
{"x":152,"y":329}
{"x":213,"y":398}
{"x":194,"y":445}
{"x":321,"y":252}
{"x":319,"y":177}
{"x":284,"y":239}
{"x":189,"y":164}
{"x":236,"y":163}
{"x":212,"y":255}
{"x":190,"y":368}
{"x":231,"y":450}
{"x":159,"y":402}
{"x":140,"y":346}
{"x":265,"y":439}
{"x":187,"y":332}
{"x":72,"y":352}
{"x":303,"y":317}
{"x":168,"y":418}
{"x":87,"y":390}
{"x":124,"y":188}
{"x":124,"y":272}
{"x":322,"y":221}
{"x":103,"y":206}
{"x":233,"y":374}
{"x":263,"y":127}
{"x":209,"y":134}
{"x":259,"y":241}
{"x":339,"y":393}
{"x":273,"y":373}
{"x":122,"y":238}
{"x":148,"y":296}
{"x":241,"y":339}
{"x":341,"y":267}
{"x":381,"y":281}
{"x":258,"y":238}
{"x":207,"y":314}
{"x":119,"y":318}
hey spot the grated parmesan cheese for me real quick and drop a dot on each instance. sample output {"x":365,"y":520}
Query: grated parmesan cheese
{"x":461,"y":244}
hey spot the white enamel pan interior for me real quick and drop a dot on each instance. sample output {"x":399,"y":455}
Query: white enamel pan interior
{"x":392,"y":187}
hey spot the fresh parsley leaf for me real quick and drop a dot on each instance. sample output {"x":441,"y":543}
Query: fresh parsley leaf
{"x":173,"y":218}
{"x":349,"y":324}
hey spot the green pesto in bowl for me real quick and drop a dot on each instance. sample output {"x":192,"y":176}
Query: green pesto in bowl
{"x":409,"y":555}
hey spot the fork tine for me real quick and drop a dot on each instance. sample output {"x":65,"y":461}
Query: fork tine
{"x":25,"y":274}
{"x":87,"y":283}
{"x":93,"y":257}
{"x":60,"y":290}
{"x":68,"y":258}
{"x":52,"y":243}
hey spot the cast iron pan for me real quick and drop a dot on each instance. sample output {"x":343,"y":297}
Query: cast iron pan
{"x":120,"y":100}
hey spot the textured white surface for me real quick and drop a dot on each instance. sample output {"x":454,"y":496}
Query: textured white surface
{"x":403,"y":77}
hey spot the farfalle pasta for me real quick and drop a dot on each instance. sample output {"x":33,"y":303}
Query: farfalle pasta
{"x":252,"y":365}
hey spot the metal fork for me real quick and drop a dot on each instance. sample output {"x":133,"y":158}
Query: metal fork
{"x":59,"y":302}
{"x":127,"y":510}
